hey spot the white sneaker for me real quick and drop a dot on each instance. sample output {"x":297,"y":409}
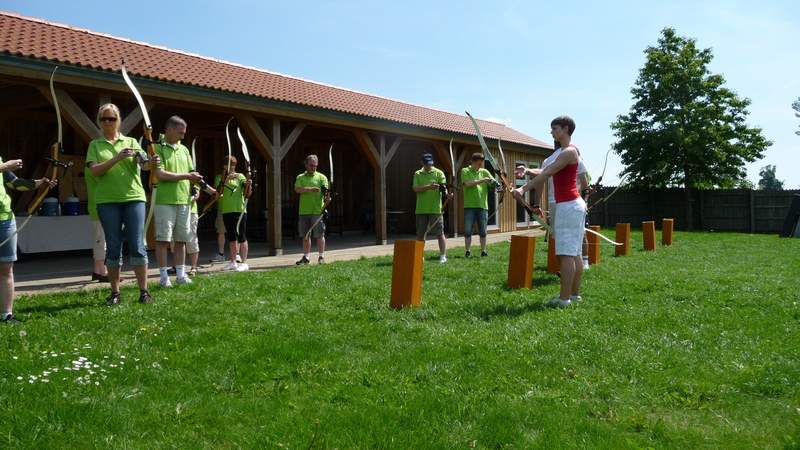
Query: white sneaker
{"x":243,"y":267}
{"x":184,"y":280}
{"x":230,"y":266}
{"x":238,"y":258}
{"x":586,"y":267}
{"x":218,"y":258}
{"x":558,"y":303}
{"x":164,"y":282}
{"x":442,"y":259}
{"x":576,"y":298}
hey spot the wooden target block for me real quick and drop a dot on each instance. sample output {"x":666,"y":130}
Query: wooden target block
{"x":407,"y":274}
{"x":667,"y":226}
{"x":624,"y":237}
{"x":594,"y":245}
{"x":520,"y":262}
{"x":649,"y":232}
{"x":553,"y":265}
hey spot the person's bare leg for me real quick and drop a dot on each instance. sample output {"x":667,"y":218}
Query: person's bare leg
{"x":141,"y":276}
{"x":221,"y":243}
{"x":113,"y":278}
{"x":483,"y":243}
{"x":161,"y":253}
{"x":576,"y":280}
{"x":100,"y":267}
{"x":7,"y":288}
{"x":320,"y":245}
{"x":179,"y":254}
{"x":194,"y":257}
{"x":244,"y":248}
{"x":467,"y":242}
{"x":442,"y":244}
{"x":568,"y":270}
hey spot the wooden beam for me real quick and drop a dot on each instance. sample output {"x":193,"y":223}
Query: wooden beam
{"x":73,"y":114}
{"x":275,"y":220}
{"x":289,"y":142}
{"x":133,"y":119}
{"x":256,"y":133}
{"x":368,"y":147}
{"x":392,"y":150}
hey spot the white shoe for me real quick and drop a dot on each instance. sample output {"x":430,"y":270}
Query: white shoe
{"x":230,"y":266}
{"x":238,"y":258}
{"x":576,"y":298}
{"x":184,"y":280}
{"x":164,"y":282}
{"x":243,"y":267}
{"x":558,"y":303}
{"x":585,"y":267}
{"x":442,"y":259}
{"x":218,"y":258}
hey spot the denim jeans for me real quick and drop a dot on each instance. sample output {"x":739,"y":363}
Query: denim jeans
{"x":472,"y":215}
{"x":8,"y":252}
{"x":127,"y":218}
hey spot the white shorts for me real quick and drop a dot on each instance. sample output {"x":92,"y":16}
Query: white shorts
{"x":192,"y":246}
{"x":172,"y":223}
{"x":568,"y":226}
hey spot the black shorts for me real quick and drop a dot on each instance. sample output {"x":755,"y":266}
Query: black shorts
{"x":231,"y":233}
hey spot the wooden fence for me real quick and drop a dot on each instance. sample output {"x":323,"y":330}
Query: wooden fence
{"x":739,"y":210}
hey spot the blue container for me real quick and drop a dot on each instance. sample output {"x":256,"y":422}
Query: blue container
{"x":49,"y":207}
{"x":71,"y":206}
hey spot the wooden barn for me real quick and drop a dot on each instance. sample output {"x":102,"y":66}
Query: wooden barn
{"x":377,"y":141}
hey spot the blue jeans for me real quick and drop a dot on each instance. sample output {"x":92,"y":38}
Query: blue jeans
{"x":119,"y":218}
{"x":8,"y":252}
{"x":472,"y":215}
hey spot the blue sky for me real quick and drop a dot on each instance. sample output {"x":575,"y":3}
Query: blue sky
{"x":521,"y":63}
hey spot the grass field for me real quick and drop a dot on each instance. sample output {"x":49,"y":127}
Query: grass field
{"x":693,"y":346}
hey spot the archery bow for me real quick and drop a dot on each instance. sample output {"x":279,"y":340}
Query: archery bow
{"x":151,"y":149}
{"x":328,"y":196}
{"x":223,"y":179}
{"x":248,"y":190}
{"x":56,"y":149}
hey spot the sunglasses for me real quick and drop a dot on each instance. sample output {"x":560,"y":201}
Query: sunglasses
{"x":108,"y":119}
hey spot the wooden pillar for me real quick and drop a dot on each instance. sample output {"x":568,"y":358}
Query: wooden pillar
{"x":594,"y":245}
{"x":666,"y":231}
{"x":407,"y":273}
{"x":520,"y":262}
{"x":623,"y":236}
{"x":553,"y":265}
{"x":649,"y":233}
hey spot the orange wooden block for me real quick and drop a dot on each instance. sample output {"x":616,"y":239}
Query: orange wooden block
{"x":594,"y":245}
{"x":407,"y":273}
{"x":666,"y":231}
{"x":623,"y":236}
{"x":520,"y":262}
{"x":553,"y":265}
{"x":649,"y":232}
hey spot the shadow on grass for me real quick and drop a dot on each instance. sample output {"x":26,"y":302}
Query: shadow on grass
{"x":510,"y":311}
{"x":53,"y":309}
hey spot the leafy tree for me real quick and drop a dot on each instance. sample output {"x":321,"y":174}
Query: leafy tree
{"x":796,"y":108}
{"x":685,"y":127}
{"x":768,"y":181}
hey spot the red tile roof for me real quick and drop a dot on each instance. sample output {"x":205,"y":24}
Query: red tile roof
{"x":36,"y":38}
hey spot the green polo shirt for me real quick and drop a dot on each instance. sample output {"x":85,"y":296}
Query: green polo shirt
{"x":232,"y":202}
{"x":5,"y":201}
{"x":430,"y":201}
{"x":175,"y":159}
{"x":122,"y":182}
{"x":311,"y":202}
{"x":475,"y":196}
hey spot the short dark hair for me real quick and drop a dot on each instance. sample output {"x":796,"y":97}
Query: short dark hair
{"x":564,"y":121}
{"x":478,"y":156}
{"x":175,"y":122}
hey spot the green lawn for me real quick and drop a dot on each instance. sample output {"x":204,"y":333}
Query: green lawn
{"x":693,"y":346}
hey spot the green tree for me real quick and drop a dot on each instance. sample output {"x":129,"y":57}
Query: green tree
{"x":796,"y":108}
{"x":685,"y":127}
{"x":768,"y":181}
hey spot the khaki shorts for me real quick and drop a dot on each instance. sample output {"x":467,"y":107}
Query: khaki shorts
{"x":192,"y":246}
{"x":433,"y":221}
{"x":99,"y":246}
{"x":219,"y":224}
{"x":172,"y":223}
{"x":305,"y":221}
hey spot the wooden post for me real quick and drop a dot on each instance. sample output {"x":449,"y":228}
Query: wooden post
{"x":553,"y":266}
{"x":623,"y":236}
{"x":520,"y":262}
{"x":407,"y":273}
{"x":649,"y":232}
{"x":594,"y":245}
{"x":666,"y":231}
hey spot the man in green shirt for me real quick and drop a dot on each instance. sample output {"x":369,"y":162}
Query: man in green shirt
{"x":430,"y":184}
{"x":311,"y":185}
{"x":476,"y":182}
{"x":172,"y":211}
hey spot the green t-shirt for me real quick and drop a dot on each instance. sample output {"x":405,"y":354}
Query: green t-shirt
{"x":232,"y":201}
{"x":311,"y":202}
{"x":175,"y":160}
{"x":430,"y":201}
{"x":5,"y":200}
{"x":91,"y":185}
{"x":475,"y":196}
{"x":122,"y":182}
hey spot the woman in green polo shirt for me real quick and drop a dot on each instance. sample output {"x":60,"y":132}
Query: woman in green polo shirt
{"x":231,"y":205}
{"x":115,"y":161}
{"x":8,"y":234}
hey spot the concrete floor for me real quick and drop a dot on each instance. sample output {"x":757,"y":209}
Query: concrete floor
{"x":59,"y":272}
